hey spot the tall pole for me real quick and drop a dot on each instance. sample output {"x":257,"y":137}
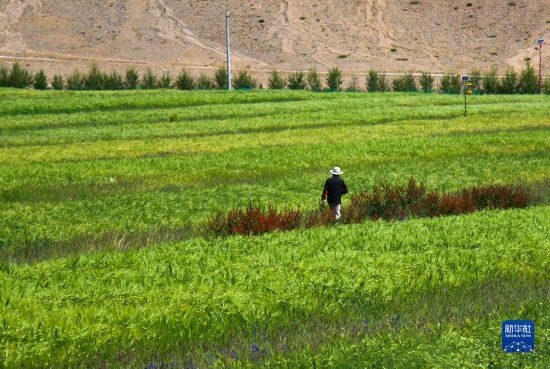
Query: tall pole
{"x":228,"y":50}
{"x":540,"y":68}
{"x":540,"y":42}
{"x":465,"y":92}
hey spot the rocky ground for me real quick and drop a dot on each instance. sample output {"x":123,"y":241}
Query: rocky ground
{"x":356,"y":35}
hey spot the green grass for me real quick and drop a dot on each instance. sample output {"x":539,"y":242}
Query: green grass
{"x":104,"y":263}
{"x":82,"y":171}
{"x":430,"y":283}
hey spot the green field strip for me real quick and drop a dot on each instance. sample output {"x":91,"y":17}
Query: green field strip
{"x":204,"y":291}
{"x":263,"y":135}
{"x":42,"y":225}
{"x":56,"y":102}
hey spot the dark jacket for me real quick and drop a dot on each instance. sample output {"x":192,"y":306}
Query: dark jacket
{"x":335,"y":187}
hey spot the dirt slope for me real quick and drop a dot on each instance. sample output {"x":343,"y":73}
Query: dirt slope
{"x":391,"y":36}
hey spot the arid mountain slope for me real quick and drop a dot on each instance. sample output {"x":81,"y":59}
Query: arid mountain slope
{"x":391,"y":36}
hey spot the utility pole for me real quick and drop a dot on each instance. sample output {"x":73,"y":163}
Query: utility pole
{"x":540,"y":42}
{"x":228,"y":50}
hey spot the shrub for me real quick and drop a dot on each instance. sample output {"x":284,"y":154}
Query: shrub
{"x":40,"y":80}
{"x":509,"y":84}
{"x":528,"y":81}
{"x":220,"y":78}
{"x":405,"y":83}
{"x":244,"y":81}
{"x":450,"y":84}
{"x":296,"y":81}
{"x":166,"y":80}
{"x":401,"y":202}
{"x":383,"y":201}
{"x":113,"y":81}
{"x":19,"y":77}
{"x":426,"y":82}
{"x":132,"y":79}
{"x":325,"y":217}
{"x":276,"y":81}
{"x":497,"y":196}
{"x":334,"y":79}
{"x":75,"y":81}
{"x":353,"y":85}
{"x":185,"y":81}
{"x":476,"y":79}
{"x":254,"y":220}
{"x":94,"y":78}
{"x":204,"y":82}
{"x":57,"y":82}
{"x":383,"y":84}
{"x":490,"y":82}
{"x":547,"y":86}
{"x":313,"y":80}
{"x":149,"y":80}
{"x":372,"y":81}
{"x":4,"y":76}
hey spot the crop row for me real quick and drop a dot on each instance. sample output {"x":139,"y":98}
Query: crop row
{"x":72,"y":211}
{"x":118,"y":165}
{"x":383,"y":201}
{"x":231,"y":294}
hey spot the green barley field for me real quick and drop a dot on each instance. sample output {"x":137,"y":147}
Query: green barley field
{"x":106,"y":262}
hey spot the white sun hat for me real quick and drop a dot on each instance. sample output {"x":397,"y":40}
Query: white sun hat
{"x":336,"y":171}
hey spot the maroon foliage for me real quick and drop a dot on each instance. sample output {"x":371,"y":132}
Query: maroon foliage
{"x":320,"y":218}
{"x":385,"y":201}
{"x":400,"y":202}
{"x":254,"y":220}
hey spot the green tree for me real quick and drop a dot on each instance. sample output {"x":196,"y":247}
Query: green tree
{"x":4,"y":76}
{"x":244,"y":81}
{"x":372,"y":81}
{"x":220,"y":78}
{"x":335,"y":79}
{"x":20,"y":77}
{"x":426,"y":82}
{"x":185,"y":81}
{"x":528,"y":81}
{"x":476,"y":79}
{"x":40,"y":81}
{"x":383,"y":84}
{"x":296,"y":81}
{"x":166,"y":80}
{"x":75,"y":81}
{"x":509,"y":83}
{"x":547,"y":86}
{"x":204,"y":82}
{"x":405,"y":83}
{"x":113,"y":81}
{"x":94,"y":78}
{"x":57,"y":82}
{"x":353,"y":85}
{"x":132,"y":79}
{"x":313,"y":80}
{"x":149,"y":80}
{"x":450,"y":84}
{"x":490,"y":82}
{"x":276,"y":81}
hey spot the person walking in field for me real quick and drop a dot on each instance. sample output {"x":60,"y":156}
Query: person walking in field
{"x":334,"y":188}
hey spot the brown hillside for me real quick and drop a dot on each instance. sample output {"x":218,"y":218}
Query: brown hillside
{"x":392,"y":36}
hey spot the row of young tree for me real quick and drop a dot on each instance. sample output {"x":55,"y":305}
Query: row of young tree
{"x":525,"y":82}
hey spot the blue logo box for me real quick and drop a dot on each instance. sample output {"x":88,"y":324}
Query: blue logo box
{"x":518,"y":336}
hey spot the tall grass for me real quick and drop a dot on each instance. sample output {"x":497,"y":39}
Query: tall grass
{"x":384,"y":201}
{"x":75,"y":166}
{"x":291,"y":297}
